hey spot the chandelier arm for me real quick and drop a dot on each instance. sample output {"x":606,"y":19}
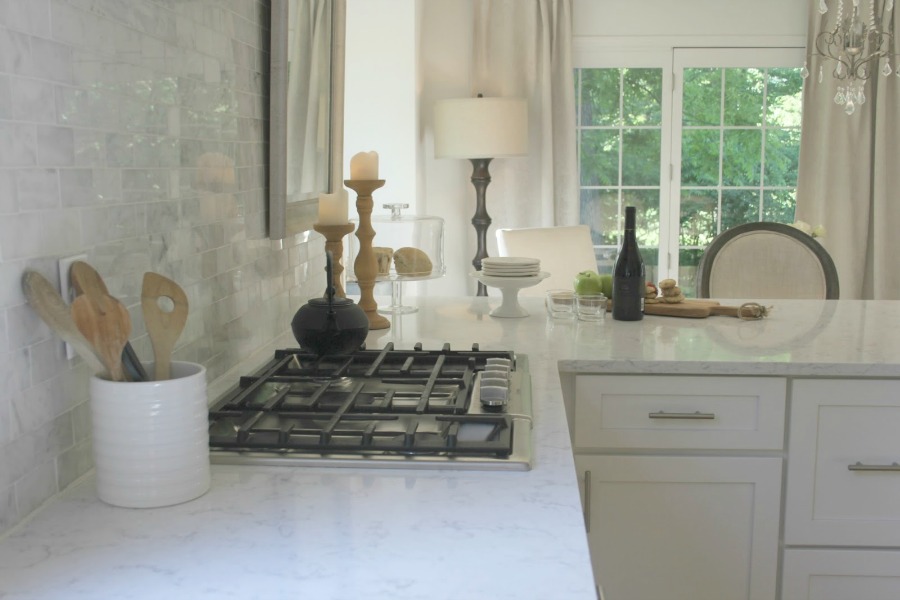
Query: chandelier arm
{"x":826,"y":42}
{"x":832,"y":40}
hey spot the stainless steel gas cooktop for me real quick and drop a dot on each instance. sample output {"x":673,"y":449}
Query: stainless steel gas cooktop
{"x":450,"y":409}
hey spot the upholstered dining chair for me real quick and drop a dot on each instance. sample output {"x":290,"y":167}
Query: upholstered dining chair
{"x":564,"y":251}
{"x":765,"y":261}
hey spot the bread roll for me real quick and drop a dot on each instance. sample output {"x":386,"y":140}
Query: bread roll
{"x":412,"y":261}
{"x":672,"y":291}
{"x":383,"y":259}
{"x":666,"y":284}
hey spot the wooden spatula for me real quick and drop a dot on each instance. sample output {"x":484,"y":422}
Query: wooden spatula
{"x":50,"y":307}
{"x":105,"y":322}
{"x":164,"y":326}
{"x":86,"y":280}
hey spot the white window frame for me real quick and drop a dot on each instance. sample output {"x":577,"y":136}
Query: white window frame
{"x":648,"y":59}
{"x":615,"y":53}
{"x":683,"y":58}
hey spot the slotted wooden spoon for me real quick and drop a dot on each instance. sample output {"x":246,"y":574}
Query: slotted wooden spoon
{"x":163,"y":325}
{"x":105,"y":322}
{"x":50,"y":307}
{"x":86,"y":280}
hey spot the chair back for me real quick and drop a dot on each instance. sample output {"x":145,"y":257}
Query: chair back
{"x":563,"y":251}
{"x":766,"y":261}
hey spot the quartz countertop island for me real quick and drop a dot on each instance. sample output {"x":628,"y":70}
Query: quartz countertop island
{"x":404,"y":533}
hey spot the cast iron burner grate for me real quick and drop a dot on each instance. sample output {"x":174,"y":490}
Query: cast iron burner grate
{"x":408,"y":402}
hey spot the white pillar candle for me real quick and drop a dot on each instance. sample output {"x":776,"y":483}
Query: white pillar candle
{"x":333,"y":208}
{"x":364,"y":165}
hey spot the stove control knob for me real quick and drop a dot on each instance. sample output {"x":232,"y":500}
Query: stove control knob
{"x":494,"y":396}
{"x":495,"y":373}
{"x":494,"y":389}
{"x":503,"y":363}
{"x":500,"y":383}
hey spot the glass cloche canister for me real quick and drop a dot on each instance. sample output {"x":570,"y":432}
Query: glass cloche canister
{"x":406,"y":247}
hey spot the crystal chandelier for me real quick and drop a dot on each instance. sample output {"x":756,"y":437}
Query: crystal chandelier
{"x":856,"y":44}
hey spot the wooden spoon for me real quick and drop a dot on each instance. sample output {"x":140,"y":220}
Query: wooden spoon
{"x":105,"y":322}
{"x":48,"y":304}
{"x":164,"y":326}
{"x":86,"y":280}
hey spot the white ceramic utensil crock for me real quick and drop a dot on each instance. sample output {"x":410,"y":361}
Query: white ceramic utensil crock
{"x":151,"y":438}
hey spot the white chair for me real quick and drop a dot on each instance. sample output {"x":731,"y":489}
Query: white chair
{"x":563,"y":251}
{"x":766,"y":261}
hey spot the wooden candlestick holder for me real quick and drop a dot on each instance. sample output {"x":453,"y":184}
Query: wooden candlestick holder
{"x":365,"y":266}
{"x":334,"y":241}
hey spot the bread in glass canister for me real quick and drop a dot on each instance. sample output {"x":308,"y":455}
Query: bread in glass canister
{"x":412,"y":261}
{"x":383,"y":256}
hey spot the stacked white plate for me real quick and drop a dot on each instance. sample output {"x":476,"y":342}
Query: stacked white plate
{"x":510,"y":266}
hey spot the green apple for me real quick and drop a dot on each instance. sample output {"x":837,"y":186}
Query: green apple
{"x":590,"y":282}
{"x":607,"y":281}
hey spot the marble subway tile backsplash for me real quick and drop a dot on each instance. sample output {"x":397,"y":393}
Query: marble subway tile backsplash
{"x":135,"y":133}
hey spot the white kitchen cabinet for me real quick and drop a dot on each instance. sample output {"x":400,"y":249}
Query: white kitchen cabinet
{"x":682,"y":528}
{"x":681,"y":482}
{"x":812,"y":574}
{"x":843,"y":484}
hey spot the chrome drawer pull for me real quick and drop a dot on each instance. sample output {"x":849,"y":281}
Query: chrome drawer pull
{"x":693,"y":415}
{"x":587,"y":501}
{"x":861,"y":467}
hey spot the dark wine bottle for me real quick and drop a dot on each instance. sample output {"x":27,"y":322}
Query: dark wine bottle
{"x":628,"y":276}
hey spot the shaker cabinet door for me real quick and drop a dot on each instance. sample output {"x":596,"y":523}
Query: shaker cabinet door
{"x":682,"y":528}
{"x":843,"y":481}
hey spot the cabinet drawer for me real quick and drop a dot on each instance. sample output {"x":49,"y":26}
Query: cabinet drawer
{"x":620,"y":411}
{"x":841,"y":574}
{"x":843,"y":482}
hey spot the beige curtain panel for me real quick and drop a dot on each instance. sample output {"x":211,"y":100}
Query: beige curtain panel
{"x":523,"y":48}
{"x":849,"y":171}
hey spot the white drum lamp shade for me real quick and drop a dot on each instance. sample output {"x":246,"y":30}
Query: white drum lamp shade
{"x":480,"y":127}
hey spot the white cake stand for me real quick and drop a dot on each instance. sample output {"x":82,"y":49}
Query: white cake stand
{"x":509,"y":287}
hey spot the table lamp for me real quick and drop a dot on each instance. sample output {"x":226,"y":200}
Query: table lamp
{"x":480,"y":129}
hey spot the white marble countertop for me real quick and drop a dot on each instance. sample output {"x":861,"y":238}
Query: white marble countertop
{"x":282,"y":532}
{"x":832,"y":338}
{"x":395,"y":533}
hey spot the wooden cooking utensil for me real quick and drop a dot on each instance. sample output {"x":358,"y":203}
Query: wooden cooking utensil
{"x":48,"y":304}
{"x":105,"y":322}
{"x":163,"y":326}
{"x":86,"y":280}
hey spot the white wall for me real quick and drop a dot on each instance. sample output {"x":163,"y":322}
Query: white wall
{"x":380,"y":111}
{"x":694,"y":18}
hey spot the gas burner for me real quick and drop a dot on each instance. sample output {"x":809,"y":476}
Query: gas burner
{"x":458,"y":409}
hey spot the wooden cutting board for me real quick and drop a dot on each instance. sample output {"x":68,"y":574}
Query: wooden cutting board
{"x":694,"y":309}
